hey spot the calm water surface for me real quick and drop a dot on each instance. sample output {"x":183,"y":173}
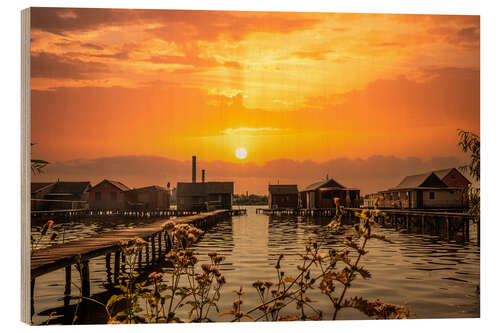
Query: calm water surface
{"x":436,"y":277}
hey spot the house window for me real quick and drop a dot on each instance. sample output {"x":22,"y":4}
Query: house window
{"x":431,"y":195}
{"x":97,"y":196}
{"x":113,"y":196}
{"x":453,"y":176}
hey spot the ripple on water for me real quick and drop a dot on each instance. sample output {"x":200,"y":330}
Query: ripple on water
{"x":436,"y":277}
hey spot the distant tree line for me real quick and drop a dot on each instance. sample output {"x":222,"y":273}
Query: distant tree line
{"x":249,"y":200}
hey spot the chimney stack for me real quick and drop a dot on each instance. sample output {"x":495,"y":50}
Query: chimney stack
{"x":202,"y":175}
{"x":194,"y":169}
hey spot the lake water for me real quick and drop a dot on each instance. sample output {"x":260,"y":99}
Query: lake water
{"x":436,"y":277}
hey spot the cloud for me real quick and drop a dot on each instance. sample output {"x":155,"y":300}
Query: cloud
{"x":370,"y":174}
{"x":175,"y":25}
{"x":50,"y":65}
{"x":254,"y":131}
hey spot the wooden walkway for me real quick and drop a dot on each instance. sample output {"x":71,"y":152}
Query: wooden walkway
{"x":438,"y":221}
{"x":67,"y":214}
{"x":52,"y":258}
{"x":64,"y":255}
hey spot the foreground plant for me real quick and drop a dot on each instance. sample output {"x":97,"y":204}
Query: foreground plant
{"x":181,"y":284}
{"x":337,"y":271}
{"x":194,"y":290}
{"x":45,"y":233}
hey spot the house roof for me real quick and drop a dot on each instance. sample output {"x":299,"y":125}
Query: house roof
{"x":429,"y":179}
{"x":35,"y":187}
{"x":191,"y":189}
{"x":149,"y":188}
{"x":324,"y":183}
{"x":70,"y":187}
{"x":220,"y":187}
{"x":283,"y":189}
{"x":115,"y":183}
{"x":444,"y":172}
{"x":203,"y":189}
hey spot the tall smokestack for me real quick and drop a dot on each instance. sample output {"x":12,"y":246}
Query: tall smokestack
{"x":194,"y":169}
{"x":202,"y":175}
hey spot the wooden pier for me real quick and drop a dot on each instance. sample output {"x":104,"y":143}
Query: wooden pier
{"x":66,"y":214}
{"x":443,"y":222}
{"x":110,"y":243}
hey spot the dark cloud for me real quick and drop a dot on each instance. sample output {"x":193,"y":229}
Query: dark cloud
{"x":49,"y":65}
{"x":370,"y":174}
{"x":177,"y":25}
{"x":91,"y":46}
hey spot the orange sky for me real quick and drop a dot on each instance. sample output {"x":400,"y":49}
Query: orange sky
{"x":299,"y":86}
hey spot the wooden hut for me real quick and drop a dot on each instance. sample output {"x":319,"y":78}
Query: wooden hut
{"x":148,"y":198}
{"x":108,"y":194}
{"x":283,"y":196}
{"x":321,"y":195}
{"x":205,"y":196}
{"x":38,"y":191}
{"x":60,"y":195}
{"x":422,"y":191}
{"x":78,"y":192}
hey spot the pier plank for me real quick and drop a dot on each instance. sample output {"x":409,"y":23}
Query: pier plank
{"x":58,"y":256}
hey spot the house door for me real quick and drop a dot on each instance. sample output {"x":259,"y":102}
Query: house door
{"x":420,"y":199}
{"x":312,"y":201}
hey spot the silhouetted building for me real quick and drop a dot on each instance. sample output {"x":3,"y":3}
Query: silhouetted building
{"x":422,"y":191}
{"x":322,"y":194}
{"x":108,"y":194}
{"x":205,"y":196}
{"x":148,"y":198}
{"x":60,"y":195}
{"x":283,"y":196}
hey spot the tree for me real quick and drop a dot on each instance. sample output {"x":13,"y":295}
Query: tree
{"x":470,"y":144}
{"x":37,"y":165}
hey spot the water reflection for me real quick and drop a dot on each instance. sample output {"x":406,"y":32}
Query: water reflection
{"x":438,"y":278}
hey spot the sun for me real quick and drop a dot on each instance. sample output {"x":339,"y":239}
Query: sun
{"x":241,"y":153}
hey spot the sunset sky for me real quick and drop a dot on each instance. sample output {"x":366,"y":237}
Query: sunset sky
{"x":131,"y":95}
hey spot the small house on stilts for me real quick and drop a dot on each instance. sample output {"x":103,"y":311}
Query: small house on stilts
{"x":283,"y":196}
{"x":321,"y":195}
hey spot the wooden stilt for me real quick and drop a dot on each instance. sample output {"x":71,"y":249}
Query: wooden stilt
{"x":153,"y":248}
{"x":478,"y":231}
{"x":139,"y":259}
{"x":159,"y":245}
{"x":108,"y":267}
{"x":32,"y":296}
{"x":67,"y":285}
{"x":422,"y":224}
{"x":85,"y":279}
{"x":117,"y":266}
{"x":447,"y":227}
